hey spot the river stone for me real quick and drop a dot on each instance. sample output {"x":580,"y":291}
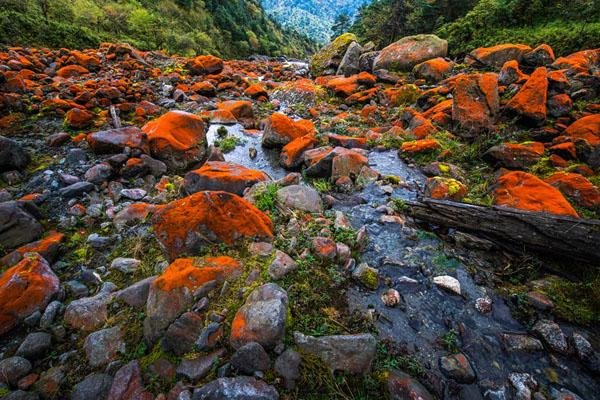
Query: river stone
{"x":300,"y":197}
{"x":262,"y":318}
{"x":250,"y":358}
{"x":95,"y":386}
{"x":35,"y":345}
{"x":18,"y":224}
{"x":238,"y":388}
{"x":551,"y":335}
{"x":348,"y":353}
{"x":448,"y":283}
{"x":457,"y":367}
{"x":288,"y":366}
{"x":12,"y":155}
{"x":281,"y":265}
{"x":401,"y":386}
{"x":103,"y":346}
{"x":13,"y":368}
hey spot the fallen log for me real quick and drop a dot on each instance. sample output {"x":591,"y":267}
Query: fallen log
{"x":548,"y":234}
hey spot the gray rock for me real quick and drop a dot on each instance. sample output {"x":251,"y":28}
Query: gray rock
{"x":13,"y":368}
{"x":250,"y":358}
{"x":288,"y":366}
{"x":350,"y":62}
{"x":12,"y":155}
{"x":127,"y":383}
{"x":348,"y":353}
{"x":76,"y":156}
{"x":197,"y":368}
{"x":181,"y":334}
{"x":300,"y":197}
{"x":366,"y":60}
{"x":103,"y":346}
{"x":35,"y":345}
{"x":551,"y":335}
{"x":18,"y":224}
{"x":457,"y":367}
{"x":262,"y":318}
{"x":77,"y":288}
{"x":401,"y":386}
{"x":133,"y":194}
{"x":76,"y":189}
{"x":523,"y":384}
{"x":125,"y":265}
{"x":94,"y":386}
{"x":98,"y":173}
{"x":517,"y":342}
{"x":238,"y":388}
{"x":51,"y":312}
{"x":88,"y":313}
{"x":136,"y":295}
{"x":281,"y":265}
{"x":21,"y":395}
{"x":204,"y":341}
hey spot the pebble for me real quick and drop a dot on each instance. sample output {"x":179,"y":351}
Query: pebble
{"x":448,"y":283}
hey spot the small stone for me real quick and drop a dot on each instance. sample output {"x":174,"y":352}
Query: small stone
{"x":288,"y":366}
{"x":94,"y":386}
{"x":448,"y":283}
{"x":401,"y":386}
{"x":133,"y":194}
{"x":483,"y":305}
{"x":103,"y":346}
{"x":13,"y":368}
{"x":262,"y":249}
{"x":551,"y":335}
{"x":366,"y":275}
{"x":181,"y":334}
{"x":391,"y":298}
{"x":250,"y":358}
{"x":540,"y":301}
{"x":281,"y":265}
{"x":324,"y":248}
{"x":209,"y":336}
{"x":517,"y":342}
{"x":197,"y":368}
{"x":125,"y":265}
{"x":35,"y":345}
{"x":524,"y":385}
{"x":300,"y":197}
{"x":457,"y":367}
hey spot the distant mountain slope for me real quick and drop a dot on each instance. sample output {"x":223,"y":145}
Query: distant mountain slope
{"x":313,"y":18}
{"x":232,"y":28}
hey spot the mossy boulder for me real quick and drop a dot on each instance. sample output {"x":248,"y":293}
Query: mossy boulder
{"x":409,"y":51}
{"x":330,"y":56}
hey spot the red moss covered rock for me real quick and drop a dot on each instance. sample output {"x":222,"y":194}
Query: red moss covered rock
{"x":177,"y":138}
{"x":527,"y":192}
{"x":530,"y":101}
{"x":579,"y":62}
{"x":586,"y":128}
{"x":420,"y":146}
{"x":347,"y":86}
{"x":256,"y":91}
{"x":225,"y":176}
{"x":433,"y":70}
{"x":476,"y":102}
{"x":409,"y":51}
{"x":281,"y":129}
{"x":205,"y":65}
{"x":576,"y":187}
{"x":115,"y":140}
{"x":292,"y":154}
{"x":440,"y":187}
{"x":184,"y":225}
{"x":78,"y":118}
{"x":72,"y":71}
{"x":241,"y":110}
{"x":511,"y":73}
{"x":514,"y":155}
{"x":46,"y":247}
{"x":25,"y":288}
{"x":496,"y":56}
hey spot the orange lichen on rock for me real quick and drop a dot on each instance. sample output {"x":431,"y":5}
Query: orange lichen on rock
{"x":576,"y":187}
{"x":281,"y":129}
{"x":420,"y":146}
{"x":586,"y":128}
{"x":433,"y":70}
{"x":241,"y":109}
{"x":579,"y":62}
{"x":524,"y":191}
{"x":206,"y":65}
{"x":256,"y":91}
{"x":496,"y":56}
{"x":193,"y":273}
{"x":182,"y":226}
{"x":47,"y":247}
{"x":530,"y":101}
{"x":78,"y":118}
{"x":71,"y":71}
{"x":347,"y":86}
{"x":440,"y":187}
{"x":115,"y":140}
{"x":25,"y":288}
{"x":220,"y":175}
{"x":476,"y":101}
{"x":292,"y":153}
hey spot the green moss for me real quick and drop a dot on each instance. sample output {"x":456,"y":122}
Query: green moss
{"x":449,"y":341}
{"x":576,"y":301}
{"x":4,"y":392}
{"x":228,"y":143}
{"x":322,"y":185}
{"x":370,"y":278}
{"x":265,"y":197}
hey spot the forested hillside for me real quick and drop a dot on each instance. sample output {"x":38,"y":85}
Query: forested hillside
{"x":566,"y":25}
{"x":232,"y":28}
{"x":315,"y":18}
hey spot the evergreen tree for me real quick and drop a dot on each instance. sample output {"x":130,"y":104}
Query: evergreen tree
{"x":341,"y":25}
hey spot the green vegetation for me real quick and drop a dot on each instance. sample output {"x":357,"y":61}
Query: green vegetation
{"x":228,"y":143}
{"x":266,"y":197}
{"x":450,"y":341}
{"x":235,"y":28}
{"x":567,"y":26}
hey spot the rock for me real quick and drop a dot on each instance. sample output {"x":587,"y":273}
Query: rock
{"x":47,"y":247}
{"x":35,"y":345}
{"x":496,"y":56}
{"x":576,"y":187}
{"x":457,"y":367}
{"x":440,"y":187}
{"x":559,"y":105}
{"x":94,"y":386}
{"x":515,"y":156}
{"x":21,"y":395}
{"x":563,"y":394}
{"x":136,"y":295}
{"x":350,"y":62}
{"x":182,"y":334}
{"x":24,"y":289}
{"x":76,"y":189}
{"x":551,"y":335}
{"x":539,"y":301}
{"x":88,"y":313}
{"x":250,"y":358}
{"x":530,"y":101}
{"x":409,"y":51}
{"x":51,"y":312}
{"x":476,"y":101}
{"x":517,"y":342}
{"x":78,"y":118}
{"x":50,"y":382}
{"x":586,"y":128}
{"x":585,"y":352}
{"x":18,"y":225}
{"x":261,"y":319}
{"x":524,"y":191}
{"x":448,"y":283}
{"x":13,"y":368}
{"x":128,"y":385}
{"x":113,"y":141}
{"x":177,"y":138}
{"x":511,"y":73}
{"x":133,"y":194}
{"x":523,"y":384}
{"x":102,"y":347}
{"x":173,"y":292}
{"x":366,"y":275}
{"x":210,"y":336}
{"x":99,"y":173}
{"x":241,"y":110}
{"x":125,"y":265}
{"x":391,"y":298}
{"x":348,"y":353}
{"x":324,"y":248}
{"x":300,"y":197}
{"x":238,"y":388}
{"x":433,"y":70}
{"x":540,"y":56}
{"x":256,"y":91}
{"x":202,"y":65}
{"x":224,"y":176}
{"x":12,"y":155}
{"x":281,"y":265}
{"x":280,"y":130}
{"x":184,"y":225}
{"x":327,"y":60}
{"x":401,"y":386}
{"x":288,"y":366}
{"x":197,"y":368}
{"x":420,"y":146}
{"x":292,"y":154}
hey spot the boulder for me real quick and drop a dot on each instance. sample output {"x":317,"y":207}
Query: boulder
{"x":300,"y":197}
{"x":576,"y":187}
{"x":202,"y":65}
{"x":116,"y":140}
{"x":225,"y":176}
{"x":241,"y":110}
{"x":327,"y":60}
{"x":13,"y":368}
{"x":350,"y":62}
{"x":288,"y":366}
{"x":281,"y":130}
{"x":24,"y":289}
{"x":182,"y":334}
{"x":173,"y":292}
{"x":78,"y":118}
{"x":409,"y":51}
{"x":177,"y":138}
{"x":89,"y":313}
{"x":524,"y":191}
{"x":347,"y":353}
{"x":530,"y":101}
{"x":496,"y":56}
{"x":184,"y":225}
{"x":292,"y":154}
{"x":35,"y":345}
{"x":586,"y":128}
{"x":18,"y":224}
{"x":250,"y":358}
{"x":261,"y":319}
{"x":475,"y":102}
